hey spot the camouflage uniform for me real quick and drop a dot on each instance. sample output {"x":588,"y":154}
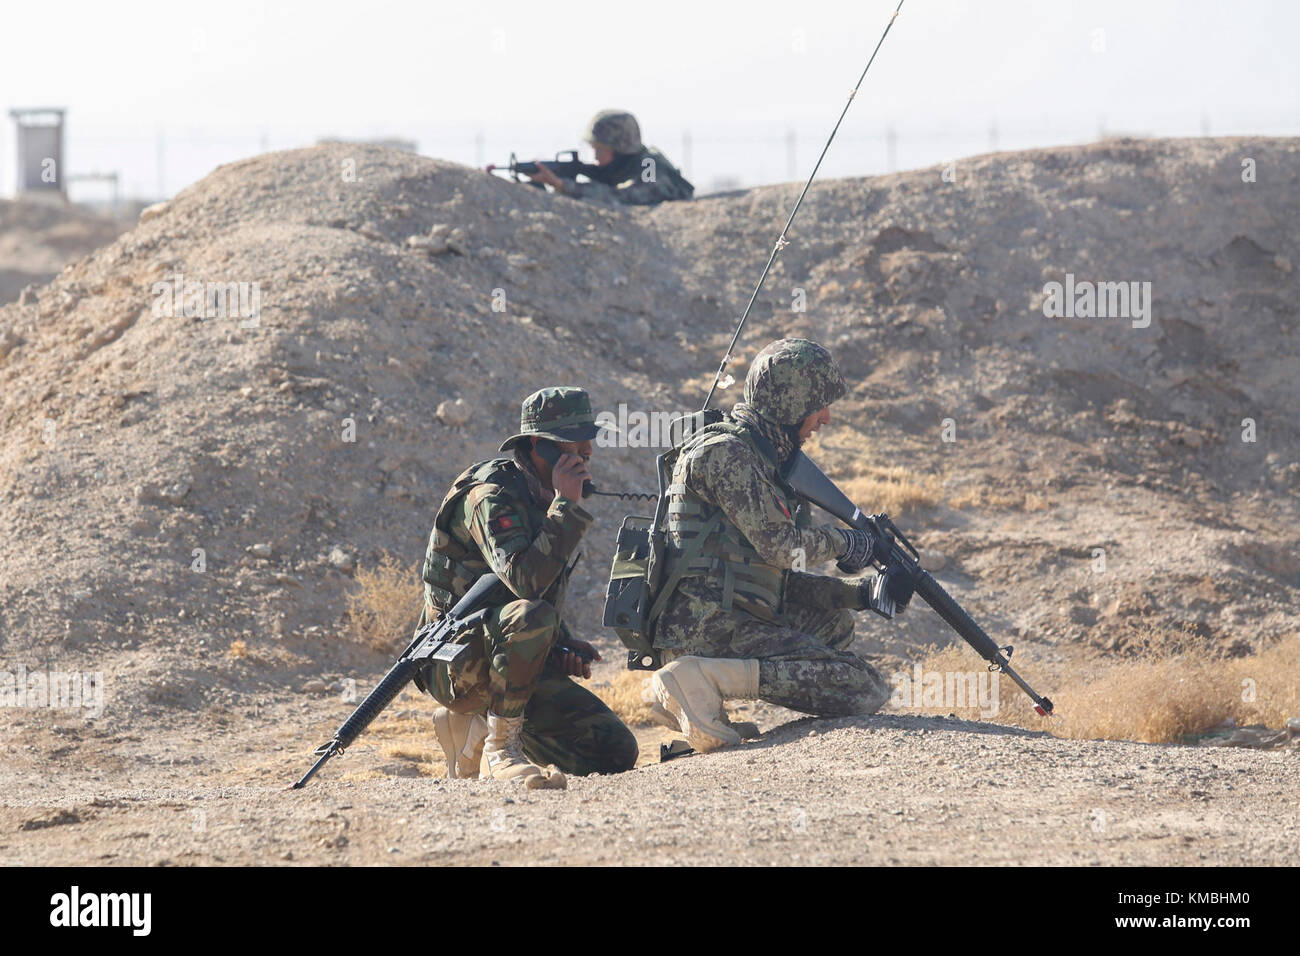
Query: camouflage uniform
{"x":639,"y":175}
{"x":735,"y":531}
{"x":497,"y":516}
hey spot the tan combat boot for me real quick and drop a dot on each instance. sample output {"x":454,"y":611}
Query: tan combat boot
{"x":461,"y":737}
{"x":662,"y":716}
{"x":692,"y":689}
{"x":504,"y":759}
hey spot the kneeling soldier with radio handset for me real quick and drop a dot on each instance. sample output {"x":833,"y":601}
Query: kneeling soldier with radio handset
{"x":509,"y":705}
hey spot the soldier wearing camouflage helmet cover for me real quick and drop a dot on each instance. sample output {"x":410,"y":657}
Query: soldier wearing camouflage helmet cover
{"x":509,"y":705}
{"x":627,"y":171}
{"x":739,"y":618}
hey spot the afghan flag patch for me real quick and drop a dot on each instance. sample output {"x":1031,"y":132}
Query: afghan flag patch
{"x":503,"y":523}
{"x":781,"y":504}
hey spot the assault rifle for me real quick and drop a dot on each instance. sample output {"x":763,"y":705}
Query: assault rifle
{"x":808,"y":481}
{"x":565,"y":165}
{"x":434,"y":641}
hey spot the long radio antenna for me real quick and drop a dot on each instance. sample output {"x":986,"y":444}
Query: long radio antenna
{"x":781,"y":241}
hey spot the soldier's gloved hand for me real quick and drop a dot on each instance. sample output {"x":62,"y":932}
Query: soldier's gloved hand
{"x":861,"y":548}
{"x":899,"y":586}
{"x":865,"y":584}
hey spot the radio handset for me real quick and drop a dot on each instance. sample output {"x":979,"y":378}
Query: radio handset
{"x":550,"y":453}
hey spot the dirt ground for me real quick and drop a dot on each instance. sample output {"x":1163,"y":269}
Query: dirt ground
{"x":888,"y":789}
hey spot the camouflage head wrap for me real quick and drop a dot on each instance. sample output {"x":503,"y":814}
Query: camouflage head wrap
{"x":616,"y":129}
{"x":791,"y":379}
{"x":560,"y":414}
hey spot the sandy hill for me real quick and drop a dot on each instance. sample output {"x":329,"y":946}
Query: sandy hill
{"x":379,"y":367}
{"x":38,"y":238}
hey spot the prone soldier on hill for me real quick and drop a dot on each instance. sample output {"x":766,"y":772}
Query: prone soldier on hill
{"x":626,"y":172}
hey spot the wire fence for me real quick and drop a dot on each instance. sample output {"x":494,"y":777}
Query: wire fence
{"x":159,"y":164}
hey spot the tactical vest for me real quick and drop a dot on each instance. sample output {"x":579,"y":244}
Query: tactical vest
{"x":451,"y":564}
{"x":702,"y":543}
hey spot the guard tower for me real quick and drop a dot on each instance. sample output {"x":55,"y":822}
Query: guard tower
{"x":40,"y":151}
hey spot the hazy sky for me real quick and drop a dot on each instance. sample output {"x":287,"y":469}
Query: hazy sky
{"x":213,"y":82}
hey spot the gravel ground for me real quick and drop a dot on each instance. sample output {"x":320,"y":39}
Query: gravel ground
{"x":877,"y":790}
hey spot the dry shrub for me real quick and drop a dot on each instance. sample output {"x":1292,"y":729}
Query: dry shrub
{"x":1152,"y":696}
{"x":384,"y":609}
{"x":895,"y":489}
{"x":623,"y":695}
{"x":238,"y":649}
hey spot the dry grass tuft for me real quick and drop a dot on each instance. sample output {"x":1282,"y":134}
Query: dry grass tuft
{"x":623,"y":695}
{"x":384,"y":610}
{"x":895,"y":489}
{"x":1168,"y":690}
